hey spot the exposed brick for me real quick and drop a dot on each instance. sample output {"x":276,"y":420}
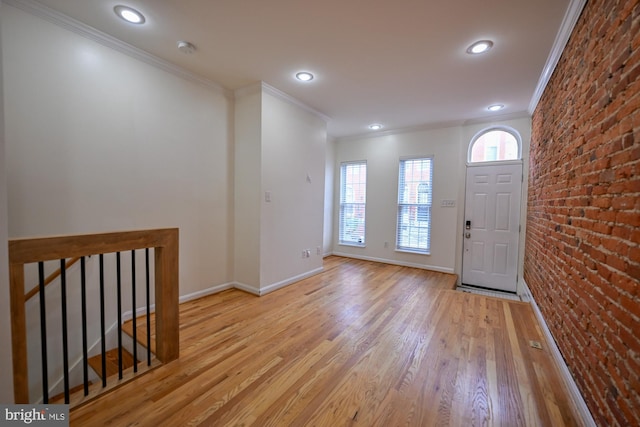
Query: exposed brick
{"x":582,"y":250}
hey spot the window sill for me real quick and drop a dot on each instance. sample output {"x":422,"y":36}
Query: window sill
{"x":408,"y":251}
{"x":355,"y":245}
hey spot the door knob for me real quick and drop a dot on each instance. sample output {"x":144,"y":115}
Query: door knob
{"x":467,"y":235}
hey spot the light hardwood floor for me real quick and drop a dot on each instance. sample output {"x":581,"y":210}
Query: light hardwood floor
{"x":361,"y":344}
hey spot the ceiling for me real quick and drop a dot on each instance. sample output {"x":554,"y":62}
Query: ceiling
{"x":401,"y":63}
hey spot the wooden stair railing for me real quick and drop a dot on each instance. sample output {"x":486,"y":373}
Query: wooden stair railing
{"x":35,"y":250}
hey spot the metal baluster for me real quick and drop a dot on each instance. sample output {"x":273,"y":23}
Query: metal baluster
{"x":43,"y":335}
{"x":119,"y":290}
{"x":85,"y":357}
{"x":103,"y":344}
{"x":65,"y":340}
{"x":133,"y":308}
{"x":146,"y":254}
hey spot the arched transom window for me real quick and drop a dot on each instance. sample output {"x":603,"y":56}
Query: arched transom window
{"x":495,"y":144}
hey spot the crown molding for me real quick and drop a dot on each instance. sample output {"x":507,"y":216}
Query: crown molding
{"x":493,"y":120}
{"x":564,"y":33}
{"x":260,"y":87}
{"x":248,"y":90}
{"x":498,"y":118}
{"x":397,"y":131}
{"x":288,"y":98}
{"x":41,"y":11}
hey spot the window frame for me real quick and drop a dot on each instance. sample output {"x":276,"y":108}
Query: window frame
{"x":343,"y":204}
{"x":481,"y":133}
{"x":407,"y":208}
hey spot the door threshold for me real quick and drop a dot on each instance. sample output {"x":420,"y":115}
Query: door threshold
{"x":489,"y":292}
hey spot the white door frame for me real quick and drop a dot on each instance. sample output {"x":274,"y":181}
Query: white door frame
{"x":519,"y":216}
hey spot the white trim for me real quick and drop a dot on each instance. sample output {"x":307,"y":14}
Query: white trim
{"x":288,"y":98}
{"x":275,"y":286}
{"x":564,"y":33}
{"x":205,"y":292}
{"x":396,"y":131}
{"x":436,"y":125}
{"x":127,"y":315}
{"x":508,"y":129}
{"x":496,"y":163}
{"x":395,"y":262}
{"x":76,"y":376}
{"x":247,"y":288}
{"x":34,"y":8}
{"x":248,"y":90}
{"x":261,"y":86}
{"x":574,"y":392}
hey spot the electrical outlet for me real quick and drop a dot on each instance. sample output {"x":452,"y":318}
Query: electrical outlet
{"x":304,"y":253}
{"x":535,"y":344}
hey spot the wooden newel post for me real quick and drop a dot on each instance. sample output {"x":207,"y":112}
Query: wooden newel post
{"x":18,"y":334}
{"x":166,"y":290}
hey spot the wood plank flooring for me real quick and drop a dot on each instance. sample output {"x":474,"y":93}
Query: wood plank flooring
{"x":361,"y":344}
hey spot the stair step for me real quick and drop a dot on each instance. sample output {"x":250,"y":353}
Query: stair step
{"x":141,"y":331}
{"x":96,"y":389}
{"x":111,"y":357}
{"x":59,"y":398}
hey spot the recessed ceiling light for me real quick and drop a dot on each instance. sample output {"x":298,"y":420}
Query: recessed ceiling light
{"x":375,"y":126}
{"x":480,"y":47}
{"x":495,"y":107}
{"x":186,"y":47}
{"x":129,"y":14}
{"x":304,"y":76}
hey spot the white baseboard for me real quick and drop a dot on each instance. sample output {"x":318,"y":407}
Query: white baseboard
{"x":289,"y":281}
{"x":574,"y":392}
{"x":209,"y":291}
{"x":395,"y":262}
{"x":247,"y":288}
{"x":127,"y":315}
{"x":275,"y":286}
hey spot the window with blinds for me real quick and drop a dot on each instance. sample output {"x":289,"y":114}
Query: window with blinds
{"x":415,"y":189}
{"x":353,"y":198}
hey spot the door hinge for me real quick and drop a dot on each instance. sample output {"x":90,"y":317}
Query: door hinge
{"x":520,"y":228}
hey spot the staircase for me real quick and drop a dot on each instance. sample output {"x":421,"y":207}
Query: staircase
{"x":130,"y":370}
{"x":84,"y":299}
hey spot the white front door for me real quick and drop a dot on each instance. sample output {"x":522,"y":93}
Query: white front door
{"x":492,"y":226}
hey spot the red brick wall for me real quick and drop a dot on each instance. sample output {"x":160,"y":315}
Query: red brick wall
{"x":582,"y":256}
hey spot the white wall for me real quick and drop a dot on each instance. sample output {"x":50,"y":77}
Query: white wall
{"x":278,"y":144}
{"x":248,"y":175}
{"x":329,"y":179}
{"x":382,"y":154}
{"x":293,"y":166}
{"x":6,"y":377}
{"x":449,"y":148}
{"x":98,"y":140}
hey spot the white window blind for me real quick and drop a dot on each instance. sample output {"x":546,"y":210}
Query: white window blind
{"x":353,"y":198}
{"x":415,"y":189}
